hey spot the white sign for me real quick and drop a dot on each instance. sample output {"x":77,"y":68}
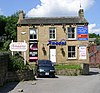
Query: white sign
{"x":18,"y":46}
{"x":82,"y":52}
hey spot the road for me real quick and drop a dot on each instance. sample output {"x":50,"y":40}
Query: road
{"x":62,"y":84}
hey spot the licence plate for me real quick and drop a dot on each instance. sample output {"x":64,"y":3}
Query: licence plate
{"x":47,"y":73}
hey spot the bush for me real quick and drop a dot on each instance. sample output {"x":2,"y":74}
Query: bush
{"x":6,"y":45}
{"x":16,"y":63}
{"x":67,"y":66}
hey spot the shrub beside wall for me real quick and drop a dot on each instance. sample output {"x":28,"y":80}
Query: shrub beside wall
{"x":12,"y":69}
{"x":68,"y":69}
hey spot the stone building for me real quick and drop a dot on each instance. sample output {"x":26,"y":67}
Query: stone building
{"x":59,"y":39}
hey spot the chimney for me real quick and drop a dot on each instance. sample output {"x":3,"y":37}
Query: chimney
{"x":21,"y":15}
{"x":81,"y":13}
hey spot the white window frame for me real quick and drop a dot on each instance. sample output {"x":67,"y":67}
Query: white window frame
{"x":36,"y":33}
{"x":75,"y":53}
{"x":55,"y":33}
{"x":75,"y":28}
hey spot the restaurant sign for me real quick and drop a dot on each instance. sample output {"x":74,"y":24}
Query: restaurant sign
{"x":18,"y":46}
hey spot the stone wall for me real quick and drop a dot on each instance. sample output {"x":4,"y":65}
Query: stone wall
{"x":6,"y":76}
{"x":69,"y":72}
{"x":4,"y":58}
{"x":20,"y":75}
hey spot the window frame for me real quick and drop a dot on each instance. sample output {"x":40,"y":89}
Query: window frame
{"x":75,"y":28}
{"x":75,"y":52}
{"x":36,"y":30}
{"x":54,"y":28}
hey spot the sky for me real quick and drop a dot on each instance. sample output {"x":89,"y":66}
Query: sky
{"x":55,"y":8}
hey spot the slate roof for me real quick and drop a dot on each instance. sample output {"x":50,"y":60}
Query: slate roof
{"x":52,"y":20}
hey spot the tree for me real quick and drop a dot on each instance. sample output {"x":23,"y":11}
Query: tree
{"x":93,"y":35}
{"x":2,"y":24}
{"x":97,"y":41}
{"x":11,"y":28}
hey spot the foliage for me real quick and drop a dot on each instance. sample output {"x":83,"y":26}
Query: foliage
{"x":8,"y":30}
{"x":6,"y":45}
{"x":16,"y":63}
{"x":93,"y":35}
{"x":11,"y":28}
{"x":67,"y":66}
{"x":97,"y":41}
{"x":97,"y":36}
{"x":2,"y":24}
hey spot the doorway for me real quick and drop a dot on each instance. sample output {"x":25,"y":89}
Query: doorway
{"x":53,"y":53}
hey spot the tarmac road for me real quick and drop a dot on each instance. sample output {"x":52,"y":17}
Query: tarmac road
{"x":62,"y":84}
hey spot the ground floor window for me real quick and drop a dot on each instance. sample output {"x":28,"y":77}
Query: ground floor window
{"x":71,"y":52}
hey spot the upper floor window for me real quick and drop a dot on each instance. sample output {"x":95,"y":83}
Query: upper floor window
{"x":33,"y":34}
{"x":71,"y":33}
{"x":71,"y":52}
{"x":52,"y":33}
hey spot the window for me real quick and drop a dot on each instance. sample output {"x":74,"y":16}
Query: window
{"x":71,"y":33}
{"x":71,"y":52}
{"x":52,"y":33}
{"x":33,"y":34}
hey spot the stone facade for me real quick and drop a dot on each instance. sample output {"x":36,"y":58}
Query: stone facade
{"x":42,"y":25}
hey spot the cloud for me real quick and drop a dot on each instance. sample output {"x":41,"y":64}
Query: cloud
{"x":1,"y":13}
{"x":94,"y":29}
{"x":49,"y":8}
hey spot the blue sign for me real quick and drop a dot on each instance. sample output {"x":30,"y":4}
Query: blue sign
{"x":84,"y":39}
{"x":82,"y":29}
{"x":82,"y":32}
{"x":62,"y":42}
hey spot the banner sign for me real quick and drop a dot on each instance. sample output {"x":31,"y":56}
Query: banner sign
{"x":82,"y":52}
{"x":62,"y":42}
{"x":18,"y":46}
{"x":82,"y":32}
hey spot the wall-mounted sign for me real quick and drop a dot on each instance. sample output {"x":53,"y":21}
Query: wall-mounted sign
{"x":62,"y":42}
{"x":18,"y":46}
{"x":82,"y":32}
{"x":33,"y":46}
{"x":82,"y":52}
{"x":33,"y":51}
{"x":33,"y":58}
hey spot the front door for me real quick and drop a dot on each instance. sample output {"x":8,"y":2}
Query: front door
{"x":53,"y":53}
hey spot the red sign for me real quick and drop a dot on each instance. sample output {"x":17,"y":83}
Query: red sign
{"x":82,"y":36}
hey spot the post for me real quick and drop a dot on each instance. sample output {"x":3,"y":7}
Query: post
{"x":12,"y":51}
{"x":24,"y":56}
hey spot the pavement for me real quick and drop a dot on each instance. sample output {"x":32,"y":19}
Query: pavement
{"x":60,"y":84}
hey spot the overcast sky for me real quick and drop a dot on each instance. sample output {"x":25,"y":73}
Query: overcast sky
{"x":54,"y":8}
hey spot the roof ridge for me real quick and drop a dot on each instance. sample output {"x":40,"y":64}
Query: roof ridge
{"x":52,"y":17}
